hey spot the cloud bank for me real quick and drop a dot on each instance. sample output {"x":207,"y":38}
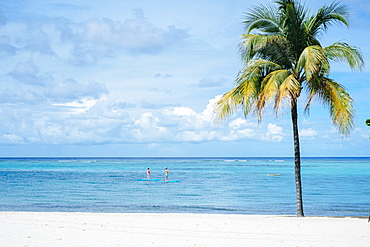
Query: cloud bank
{"x":133,"y":73}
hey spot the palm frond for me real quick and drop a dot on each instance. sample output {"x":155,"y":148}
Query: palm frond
{"x":262,"y":20}
{"x":335,"y":96}
{"x":341,"y":51}
{"x":271,"y":47}
{"x":256,"y":68}
{"x":246,"y":92}
{"x":270,"y":89}
{"x":290,"y":88}
{"x":313,"y":62}
{"x":293,"y":15}
{"x":227,"y":105}
{"x":325,"y":16}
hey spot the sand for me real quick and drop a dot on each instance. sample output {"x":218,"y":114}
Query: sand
{"x":177,"y":230}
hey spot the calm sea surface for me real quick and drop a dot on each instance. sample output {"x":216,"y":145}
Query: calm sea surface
{"x":331,"y":186}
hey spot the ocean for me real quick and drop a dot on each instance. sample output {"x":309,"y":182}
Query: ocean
{"x":331,"y":186}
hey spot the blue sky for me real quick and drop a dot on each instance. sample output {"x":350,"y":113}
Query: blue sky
{"x":138,"y":78}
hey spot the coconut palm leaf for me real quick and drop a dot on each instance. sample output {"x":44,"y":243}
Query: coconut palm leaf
{"x":335,"y":96}
{"x":270,"y":88}
{"x":292,"y":14}
{"x":313,"y":62}
{"x":289,"y":89}
{"x":247,"y":90}
{"x":263,"y":20}
{"x":325,"y":16}
{"x":343,"y":52}
{"x":268,"y":47}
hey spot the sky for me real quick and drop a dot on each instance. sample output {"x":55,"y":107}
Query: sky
{"x":138,"y":78}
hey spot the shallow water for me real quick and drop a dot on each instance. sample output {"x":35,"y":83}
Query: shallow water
{"x":331,"y":186}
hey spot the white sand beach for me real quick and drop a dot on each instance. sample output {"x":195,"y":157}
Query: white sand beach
{"x":108,"y":229}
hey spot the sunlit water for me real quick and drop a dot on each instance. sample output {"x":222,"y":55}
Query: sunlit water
{"x":331,"y":186}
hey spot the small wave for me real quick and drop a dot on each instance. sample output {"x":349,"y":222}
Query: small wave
{"x":67,"y":161}
{"x":90,"y":161}
{"x":211,"y":208}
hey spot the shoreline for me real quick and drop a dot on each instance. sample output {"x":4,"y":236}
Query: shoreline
{"x":175,"y":213}
{"x":177,"y":229}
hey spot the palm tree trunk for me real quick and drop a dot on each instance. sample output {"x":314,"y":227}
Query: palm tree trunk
{"x":297,"y":158}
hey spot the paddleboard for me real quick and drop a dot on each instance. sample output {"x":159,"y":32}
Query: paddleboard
{"x":151,"y":179}
{"x":273,"y":174}
{"x":171,"y":181}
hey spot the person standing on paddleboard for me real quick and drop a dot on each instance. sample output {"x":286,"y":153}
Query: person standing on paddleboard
{"x":167,"y":173}
{"x":148,"y":173}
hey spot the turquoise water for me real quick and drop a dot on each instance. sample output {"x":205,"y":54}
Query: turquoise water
{"x":331,"y":186}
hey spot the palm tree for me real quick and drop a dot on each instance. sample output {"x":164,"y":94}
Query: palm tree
{"x":283,"y":58}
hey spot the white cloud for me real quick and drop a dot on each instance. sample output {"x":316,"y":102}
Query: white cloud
{"x":307,"y":132}
{"x":36,"y":39}
{"x":101,"y":122}
{"x":78,"y":106}
{"x":185,"y":118}
{"x":235,"y":135}
{"x":237,"y":123}
{"x":207,"y":114}
{"x":274,"y":133}
{"x":184,"y":112}
{"x":103,"y":37}
{"x":13,"y":139}
{"x":196,"y":136}
{"x":28,"y":73}
{"x":70,"y":90}
{"x":148,"y":129}
{"x":27,"y":84}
